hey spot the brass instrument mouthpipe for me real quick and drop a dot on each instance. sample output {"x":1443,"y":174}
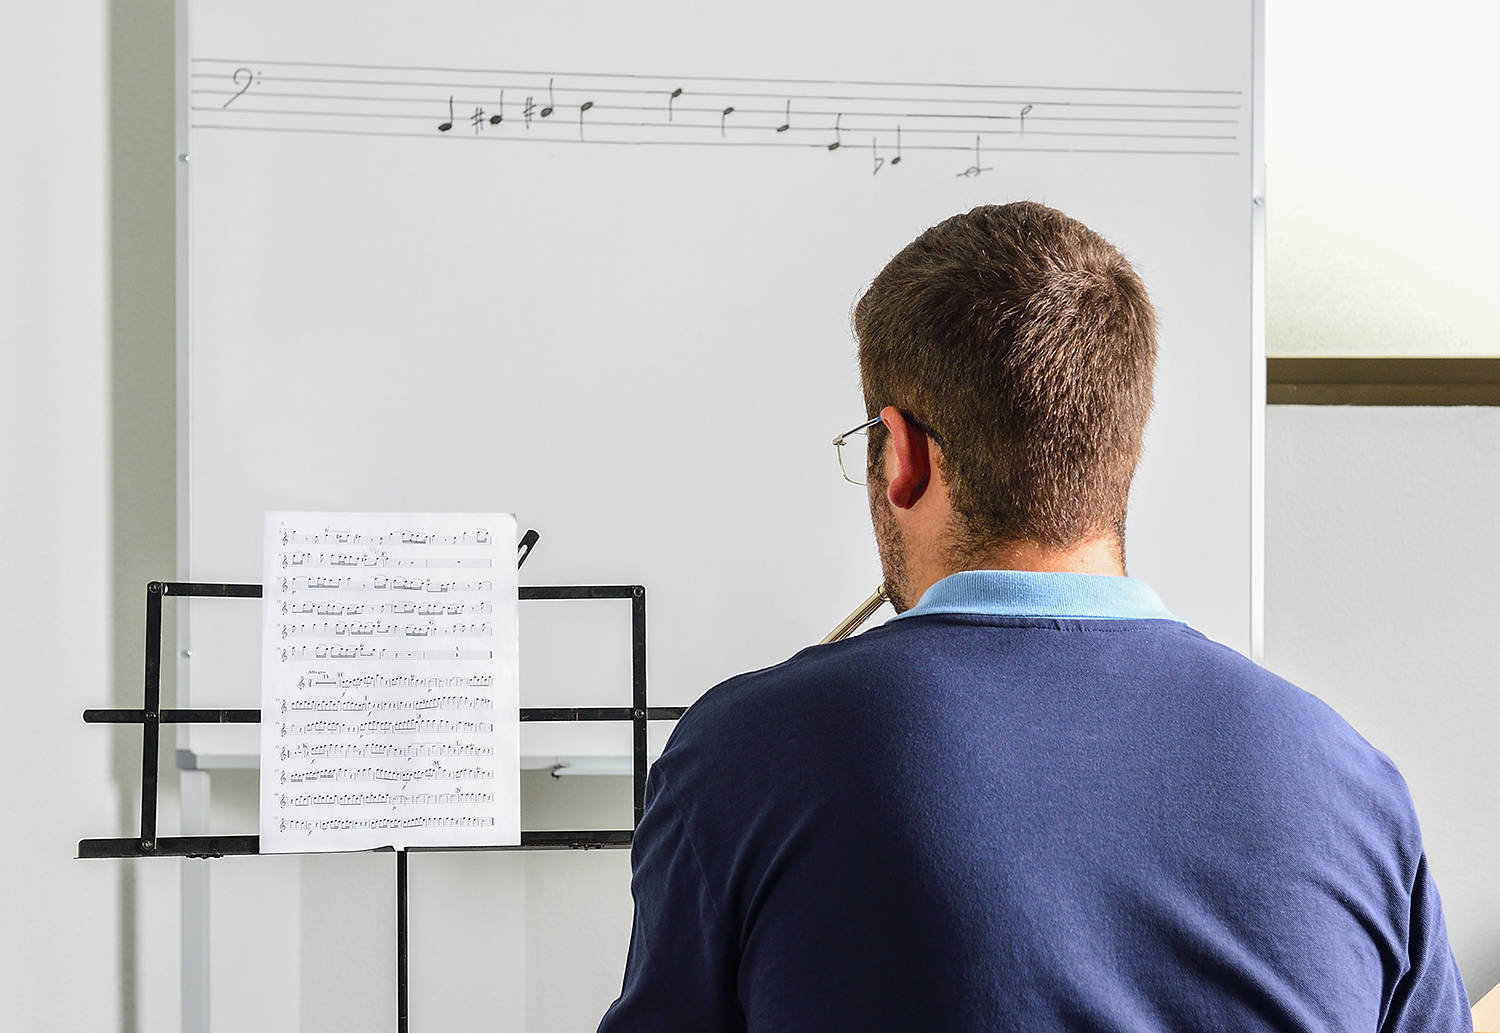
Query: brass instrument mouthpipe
{"x":850,"y":624}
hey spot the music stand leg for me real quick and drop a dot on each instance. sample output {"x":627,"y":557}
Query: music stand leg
{"x":401,"y":999}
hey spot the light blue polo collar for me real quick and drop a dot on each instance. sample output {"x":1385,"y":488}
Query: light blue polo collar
{"x":1030,"y":593}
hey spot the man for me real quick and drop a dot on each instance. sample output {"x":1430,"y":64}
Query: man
{"x":1035,"y":800}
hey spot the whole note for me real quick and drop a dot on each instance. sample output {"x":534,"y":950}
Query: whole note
{"x":443,"y":127}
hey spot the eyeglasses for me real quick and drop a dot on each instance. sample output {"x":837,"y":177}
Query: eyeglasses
{"x":854,"y":444}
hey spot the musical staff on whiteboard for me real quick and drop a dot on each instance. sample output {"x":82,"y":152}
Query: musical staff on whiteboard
{"x":948,"y":127}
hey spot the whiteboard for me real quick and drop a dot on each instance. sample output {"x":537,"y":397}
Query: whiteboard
{"x":627,"y":319}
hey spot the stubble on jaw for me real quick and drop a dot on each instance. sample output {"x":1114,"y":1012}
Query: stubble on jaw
{"x":892,"y":547}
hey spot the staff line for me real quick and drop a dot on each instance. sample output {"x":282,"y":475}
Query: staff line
{"x":714,"y":111}
{"x":703,"y":143}
{"x":717,"y":93}
{"x":568,"y":123}
{"x":719,"y":78}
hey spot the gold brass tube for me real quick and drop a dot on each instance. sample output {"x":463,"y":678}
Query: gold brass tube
{"x":850,"y":624}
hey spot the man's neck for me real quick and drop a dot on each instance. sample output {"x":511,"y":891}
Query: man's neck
{"x":1096,"y":556}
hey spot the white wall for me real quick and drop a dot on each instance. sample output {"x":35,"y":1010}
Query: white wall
{"x":1381,"y":575}
{"x":60,"y":961}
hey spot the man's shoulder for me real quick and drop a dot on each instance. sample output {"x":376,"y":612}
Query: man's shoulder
{"x":789,"y":682}
{"x":816,"y":684}
{"x":827,"y":692}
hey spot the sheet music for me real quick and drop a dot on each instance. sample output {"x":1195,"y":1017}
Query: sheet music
{"x":389,"y":681}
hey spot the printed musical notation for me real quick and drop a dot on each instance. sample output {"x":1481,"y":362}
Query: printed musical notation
{"x":415,"y":751}
{"x":383,"y":584}
{"x":411,"y":725}
{"x":352,"y":672}
{"x":377,"y":559}
{"x":291,"y":826}
{"x":958,"y":128}
{"x":392,"y":800}
{"x":366,"y":705}
{"x":405,"y":777}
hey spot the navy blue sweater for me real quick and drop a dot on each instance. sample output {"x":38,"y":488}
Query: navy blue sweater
{"x":967,"y":822}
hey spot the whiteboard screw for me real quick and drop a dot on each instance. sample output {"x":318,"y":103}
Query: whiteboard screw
{"x":187,"y":654}
{"x":184,"y":158}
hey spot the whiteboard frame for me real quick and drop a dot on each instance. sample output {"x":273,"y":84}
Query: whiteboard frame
{"x":1258,"y":331}
{"x":195,"y":800}
{"x":183,"y":258}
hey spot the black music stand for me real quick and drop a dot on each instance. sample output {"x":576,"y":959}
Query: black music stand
{"x":152,"y":716}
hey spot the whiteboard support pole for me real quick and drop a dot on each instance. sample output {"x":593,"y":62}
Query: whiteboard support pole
{"x":195,"y":788}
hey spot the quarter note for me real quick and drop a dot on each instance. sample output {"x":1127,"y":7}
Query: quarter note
{"x":499,"y":115}
{"x":670,"y":98}
{"x":897,"y":159}
{"x":548,"y":109}
{"x":581,"y":109}
{"x":837,"y":133}
{"x":723,"y":116}
{"x":443,"y":127}
{"x":1024,"y":112}
{"x":786,"y":119}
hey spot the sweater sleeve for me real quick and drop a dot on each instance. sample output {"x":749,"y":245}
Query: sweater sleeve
{"x":1429,"y":997}
{"x":680,"y":975}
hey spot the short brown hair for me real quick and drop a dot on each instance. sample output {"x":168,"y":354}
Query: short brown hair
{"x":1028,"y":344}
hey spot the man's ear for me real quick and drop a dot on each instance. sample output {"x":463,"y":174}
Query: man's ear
{"x":906,"y":460}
